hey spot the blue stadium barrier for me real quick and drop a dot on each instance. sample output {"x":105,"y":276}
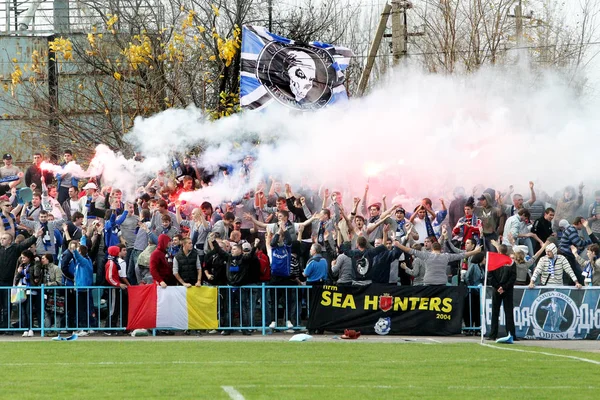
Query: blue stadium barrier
{"x":61,"y":309}
{"x":54,"y":309}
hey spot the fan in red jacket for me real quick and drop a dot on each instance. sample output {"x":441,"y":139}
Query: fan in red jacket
{"x":112,"y":268}
{"x":161,"y":271}
{"x":116,"y":276}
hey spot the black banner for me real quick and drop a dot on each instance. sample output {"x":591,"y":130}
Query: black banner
{"x":551,"y":313}
{"x":384,"y":309}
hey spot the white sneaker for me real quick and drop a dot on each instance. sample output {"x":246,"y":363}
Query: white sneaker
{"x":272,"y":325}
{"x":212,"y":332}
{"x":25,"y":334}
{"x":30,"y":333}
{"x":82,"y":333}
{"x":289,"y":324}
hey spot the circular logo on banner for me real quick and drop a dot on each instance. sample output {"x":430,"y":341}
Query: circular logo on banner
{"x":296,"y":75}
{"x":554,"y":316}
{"x":383,"y":326}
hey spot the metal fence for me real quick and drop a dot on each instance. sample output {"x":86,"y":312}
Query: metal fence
{"x":261,"y":308}
{"x":61,"y":16}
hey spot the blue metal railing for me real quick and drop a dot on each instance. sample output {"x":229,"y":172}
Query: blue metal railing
{"x":246,"y":308}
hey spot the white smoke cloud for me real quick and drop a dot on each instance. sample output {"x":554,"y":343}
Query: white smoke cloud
{"x":418,"y":134}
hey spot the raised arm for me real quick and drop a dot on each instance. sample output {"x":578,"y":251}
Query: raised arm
{"x":532,"y":199}
{"x":256,"y":222}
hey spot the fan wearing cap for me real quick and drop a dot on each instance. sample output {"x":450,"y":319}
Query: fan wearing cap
{"x":8,"y":169}
{"x":87,"y":204}
{"x":550,"y":268}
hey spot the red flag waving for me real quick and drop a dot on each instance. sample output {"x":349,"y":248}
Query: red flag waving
{"x":497,"y":260}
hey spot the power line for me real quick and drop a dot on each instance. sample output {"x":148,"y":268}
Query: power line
{"x":424,"y":53}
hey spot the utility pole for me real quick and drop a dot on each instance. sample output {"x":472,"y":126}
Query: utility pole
{"x":398,"y":32}
{"x":519,"y":21}
{"x":518,"y":16}
{"x":364,"y":78}
{"x":270,"y":15}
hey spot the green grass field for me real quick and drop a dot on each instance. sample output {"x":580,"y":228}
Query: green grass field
{"x":282,"y":370}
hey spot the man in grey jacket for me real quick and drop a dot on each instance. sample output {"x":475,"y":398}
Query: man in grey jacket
{"x":436,"y":262}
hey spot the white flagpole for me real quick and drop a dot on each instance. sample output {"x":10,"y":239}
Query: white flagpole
{"x":482,"y":296}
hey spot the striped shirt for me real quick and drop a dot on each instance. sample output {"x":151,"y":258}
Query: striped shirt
{"x":544,"y":270}
{"x":571,"y":237}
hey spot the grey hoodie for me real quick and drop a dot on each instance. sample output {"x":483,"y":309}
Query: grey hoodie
{"x":488,"y":215}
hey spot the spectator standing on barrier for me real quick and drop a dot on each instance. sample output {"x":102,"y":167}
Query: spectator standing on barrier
{"x":116,"y":276}
{"x":29,"y":274}
{"x":502,"y":281}
{"x":550,"y":268}
{"x":591,"y":266}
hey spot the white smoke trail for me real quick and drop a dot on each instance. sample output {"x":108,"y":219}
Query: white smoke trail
{"x":420,"y":134}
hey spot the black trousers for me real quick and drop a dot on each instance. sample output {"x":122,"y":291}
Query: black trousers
{"x":506,"y":299}
{"x":574,"y":266}
{"x":119,"y":307}
{"x":5,"y":305}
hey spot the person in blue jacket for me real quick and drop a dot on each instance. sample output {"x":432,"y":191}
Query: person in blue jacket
{"x":316,"y":267}
{"x":112,"y":227}
{"x":84,"y":276}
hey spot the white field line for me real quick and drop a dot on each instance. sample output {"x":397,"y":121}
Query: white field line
{"x":543,"y":353}
{"x":234,"y":362}
{"x":467,"y":387}
{"x":233,"y":394}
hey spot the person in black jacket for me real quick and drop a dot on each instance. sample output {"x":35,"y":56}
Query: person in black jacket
{"x":502,"y":281}
{"x":9,"y":254}
{"x":363,"y":260}
{"x":542,"y":227}
{"x":239,"y":273}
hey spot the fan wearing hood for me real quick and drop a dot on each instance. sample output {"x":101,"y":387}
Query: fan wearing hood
{"x":567,"y":206}
{"x":489,"y":216}
{"x":161,"y":271}
{"x":550,"y":268}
